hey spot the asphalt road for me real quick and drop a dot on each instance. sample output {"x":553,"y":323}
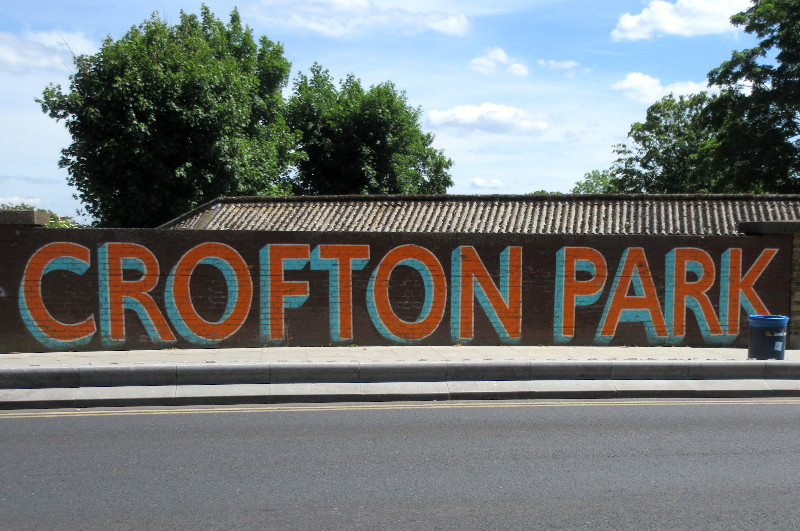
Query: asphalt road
{"x":634,"y":464}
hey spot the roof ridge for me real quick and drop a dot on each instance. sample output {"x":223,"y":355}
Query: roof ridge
{"x":542,"y":214}
{"x":357,"y":198}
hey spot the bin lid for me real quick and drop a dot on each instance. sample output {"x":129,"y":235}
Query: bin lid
{"x":767,"y":321}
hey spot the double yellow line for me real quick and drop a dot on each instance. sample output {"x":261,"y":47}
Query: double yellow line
{"x":380,"y":406}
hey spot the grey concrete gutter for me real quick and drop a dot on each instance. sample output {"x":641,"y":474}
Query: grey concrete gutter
{"x":282,"y":382}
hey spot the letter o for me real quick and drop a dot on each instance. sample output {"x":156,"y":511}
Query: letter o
{"x":181,"y":309}
{"x":379,"y":306}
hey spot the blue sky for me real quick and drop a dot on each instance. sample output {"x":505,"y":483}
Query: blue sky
{"x":522,"y":95}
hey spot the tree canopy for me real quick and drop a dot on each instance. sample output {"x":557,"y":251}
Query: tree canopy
{"x":353,"y":140}
{"x":745,"y":139}
{"x":757,"y":114}
{"x":668,"y":152}
{"x":168,"y":117}
{"x":594,"y":182}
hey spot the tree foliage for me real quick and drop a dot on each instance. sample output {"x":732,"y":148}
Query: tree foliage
{"x":543,"y":192}
{"x":594,"y":182}
{"x":744,"y":139}
{"x":168,"y":117}
{"x":668,"y":152}
{"x":757,"y":114}
{"x":353,"y":140}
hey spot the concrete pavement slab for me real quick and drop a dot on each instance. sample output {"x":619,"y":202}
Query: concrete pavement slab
{"x":405,"y":390}
{"x":314,"y":374}
{"x":486,"y":390}
{"x":222,"y":394}
{"x":573,"y":388}
{"x":653,"y":388}
{"x":784,"y":387}
{"x":283,"y":354}
{"x":51,"y":397}
{"x":127,"y":394}
{"x":731,"y":388}
{"x":402,"y":353}
{"x":314,"y":392}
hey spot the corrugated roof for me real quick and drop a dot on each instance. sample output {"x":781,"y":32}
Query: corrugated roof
{"x":527,"y":214}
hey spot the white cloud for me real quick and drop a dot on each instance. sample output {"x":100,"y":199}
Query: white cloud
{"x":468,"y":7}
{"x":642,"y":88}
{"x":568,"y":68}
{"x":456,"y":25}
{"x":498,"y":55}
{"x":336,"y":18}
{"x":558,"y":65}
{"x":483,"y":64}
{"x":73,"y":43}
{"x":683,"y":17}
{"x":494,"y":57}
{"x":487,"y":184}
{"x":517,"y":69}
{"x":488,"y":117}
{"x":41,"y":51}
{"x":18,"y":55}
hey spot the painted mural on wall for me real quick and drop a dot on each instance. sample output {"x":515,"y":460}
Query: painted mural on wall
{"x":125,"y":289}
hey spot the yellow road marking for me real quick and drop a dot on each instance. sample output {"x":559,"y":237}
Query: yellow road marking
{"x":184,"y":410}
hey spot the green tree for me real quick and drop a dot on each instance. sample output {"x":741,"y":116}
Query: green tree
{"x":744,"y":139}
{"x":669,"y":151}
{"x":56,"y":221}
{"x":594,"y":182}
{"x":168,"y":117}
{"x":357,"y":141}
{"x":757,"y":114}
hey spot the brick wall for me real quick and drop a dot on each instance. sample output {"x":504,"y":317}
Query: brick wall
{"x":93,"y":289}
{"x":794,"y":315}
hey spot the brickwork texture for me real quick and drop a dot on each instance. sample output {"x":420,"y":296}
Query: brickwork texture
{"x":90,"y":289}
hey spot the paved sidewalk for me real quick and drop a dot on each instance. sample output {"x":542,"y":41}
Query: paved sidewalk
{"x":324,"y":374}
{"x":375,"y":354}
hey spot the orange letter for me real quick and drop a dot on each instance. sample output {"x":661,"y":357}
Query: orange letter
{"x":642,"y":306}
{"x":180,"y":307}
{"x":681,"y":294}
{"x":380,"y":309}
{"x":340,"y":261}
{"x":48,"y":330}
{"x":277,"y":293}
{"x":470,"y":281}
{"x":571,"y":292}
{"x":738,"y":291}
{"x":118,"y":295}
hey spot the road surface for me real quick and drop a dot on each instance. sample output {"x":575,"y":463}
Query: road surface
{"x":622,"y":464}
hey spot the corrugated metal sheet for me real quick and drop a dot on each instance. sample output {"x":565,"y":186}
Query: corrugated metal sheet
{"x":537,"y":214}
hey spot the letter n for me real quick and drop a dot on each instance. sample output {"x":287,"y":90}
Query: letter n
{"x":502,"y":305}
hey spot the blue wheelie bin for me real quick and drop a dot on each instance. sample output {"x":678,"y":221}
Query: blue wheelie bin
{"x":767,"y":338}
